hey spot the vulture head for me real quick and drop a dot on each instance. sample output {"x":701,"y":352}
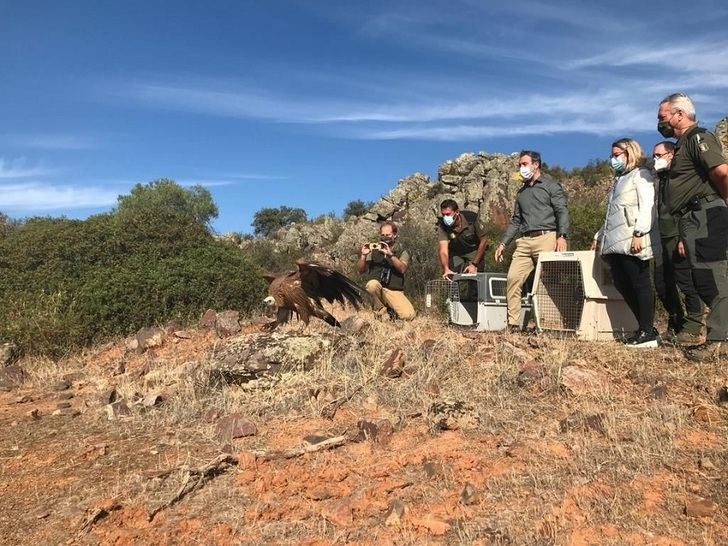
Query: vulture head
{"x":300,"y":291}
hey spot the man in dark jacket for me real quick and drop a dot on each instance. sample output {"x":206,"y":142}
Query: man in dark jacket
{"x":462,"y":240}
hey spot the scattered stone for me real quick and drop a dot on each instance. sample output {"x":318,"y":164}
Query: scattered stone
{"x":509,"y":350}
{"x":339,"y":513}
{"x":63,"y":405}
{"x":151,"y":400}
{"x":378,"y":431}
{"x":707,"y":414}
{"x":395,"y":513}
{"x":11,"y":377}
{"x":469,"y":495}
{"x":62,"y":385}
{"x":354,"y":325}
{"x":580,"y":380}
{"x":701,"y":508}
{"x":434,"y":525}
{"x":173,"y":326}
{"x":227,"y":323}
{"x":208,"y":319}
{"x":108,"y":396}
{"x":394,"y":364}
{"x":659,"y":392}
{"x":452,"y":415}
{"x":706,"y":464}
{"x":148,"y":338}
{"x":34,"y":414}
{"x":182,"y":334}
{"x":117,"y":409}
{"x":119,"y":368}
{"x":234,"y":426}
{"x":24,"y":399}
{"x":68,"y":412}
{"x":433,"y":469}
{"x":132,"y":344}
{"x":319,"y":493}
{"x":723,"y":395}
{"x":577,"y":421}
{"x":530,"y":372}
{"x":42,"y":514}
{"x":8,"y":354}
{"x":64,"y":395}
{"x":313,"y":439}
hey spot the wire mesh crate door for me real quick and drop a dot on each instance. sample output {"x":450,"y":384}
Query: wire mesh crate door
{"x":439,"y":293}
{"x":560,"y":295}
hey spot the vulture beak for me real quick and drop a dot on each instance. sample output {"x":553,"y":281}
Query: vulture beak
{"x":269,"y":301}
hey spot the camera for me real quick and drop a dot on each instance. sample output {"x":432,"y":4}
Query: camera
{"x":374,"y":246}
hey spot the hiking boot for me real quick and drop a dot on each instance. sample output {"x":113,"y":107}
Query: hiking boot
{"x":686,"y":338}
{"x":643,"y":340}
{"x":671,"y":336}
{"x":708,"y":351}
{"x":514,"y":329}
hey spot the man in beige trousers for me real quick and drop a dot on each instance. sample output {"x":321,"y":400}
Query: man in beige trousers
{"x":541,"y":219}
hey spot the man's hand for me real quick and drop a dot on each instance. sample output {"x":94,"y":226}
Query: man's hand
{"x":499,"y":252}
{"x":448,"y":274}
{"x":595,"y":245}
{"x":636,"y":245}
{"x":365,"y":249}
{"x":470,"y":269}
{"x":681,"y":249}
{"x":384,"y":248}
{"x":560,"y":244}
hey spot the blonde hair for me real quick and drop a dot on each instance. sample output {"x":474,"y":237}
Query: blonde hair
{"x":635,"y":155}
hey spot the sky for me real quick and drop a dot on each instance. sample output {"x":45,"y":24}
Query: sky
{"x":312,"y":104}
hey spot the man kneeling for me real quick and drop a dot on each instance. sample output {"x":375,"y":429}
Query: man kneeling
{"x":386,"y":265}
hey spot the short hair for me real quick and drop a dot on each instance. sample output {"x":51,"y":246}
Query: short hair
{"x":681,"y":102}
{"x":535,"y":156}
{"x":669,"y":145}
{"x":390,"y":224}
{"x":635,"y":155}
{"x":449,"y":204}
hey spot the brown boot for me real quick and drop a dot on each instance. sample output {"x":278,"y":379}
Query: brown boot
{"x":709,"y":351}
{"x":686,"y":338}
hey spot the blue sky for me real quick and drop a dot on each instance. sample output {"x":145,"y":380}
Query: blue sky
{"x":315,"y":103}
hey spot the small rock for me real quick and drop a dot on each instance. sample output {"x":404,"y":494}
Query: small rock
{"x":8,"y":354}
{"x":132,"y":344}
{"x":433,"y":469}
{"x":469,"y":495}
{"x":580,"y":422}
{"x":68,"y":412}
{"x":314,"y":439}
{"x":434,"y":525}
{"x":173,"y":326}
{"x":394,"y":364}
{"x":354,"y":325}
{"x":208,"y":319}
{"x":62,"y":385}
{"x":319,"y":493}
{"x":701,"y":508}
{"x":378,"y":431}
{"x":530,"y":372}
{"x":706,"y":464}
{"x":659,"y":392}
{"x":34,"y":414}
{"x":11,"y":376}
{"x":64,"y":395}
{"x":395,"y":513}
{"x":108,"y":396}
{"x":580,"y":380}
{"x":509,"y":350}
{"x":723,"y":395}
{"x":707,"y":414}
{"x":63,"y":405}
{"x":42,"y":514}
{"x":452,"y":415}
{"x":235,"y":426}
{"x":151,"y":400}
{"x":119,"y":368}
{"x":117,"y":409}
{"x":148,"y":338}
{"x":182,"y":334}
{"x":24,"y":399}
{"x":227,"y":323}
{"x":339,"y":513}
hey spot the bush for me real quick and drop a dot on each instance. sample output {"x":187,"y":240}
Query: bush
{"x":269,"y":220}
{"x":65,"y":283}
{"x":356,"y":208}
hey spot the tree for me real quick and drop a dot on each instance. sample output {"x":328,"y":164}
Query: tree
{"x":164,"y":194}
{"x":7,"y":224}
{"x":356,"y":208}
{"x":269,"y":220}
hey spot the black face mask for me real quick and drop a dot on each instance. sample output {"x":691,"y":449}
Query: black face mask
{"x":665,"y":129}
{"x":388,"y":240}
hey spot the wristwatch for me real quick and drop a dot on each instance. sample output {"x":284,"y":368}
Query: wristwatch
{"x":562,"y":236}
{"x":638,"y":234}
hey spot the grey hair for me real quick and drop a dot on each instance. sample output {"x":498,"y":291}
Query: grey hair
{"x":682,"y":102}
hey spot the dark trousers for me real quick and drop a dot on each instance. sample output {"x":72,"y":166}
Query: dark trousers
{"x":705,"y":234}
{"x":672,"y":271}
{"x":632,"y":278}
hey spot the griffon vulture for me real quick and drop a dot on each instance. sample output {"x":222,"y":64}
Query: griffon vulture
{"x":301,"y":291}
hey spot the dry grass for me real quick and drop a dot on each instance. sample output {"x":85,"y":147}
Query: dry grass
{"x":625,"y":481}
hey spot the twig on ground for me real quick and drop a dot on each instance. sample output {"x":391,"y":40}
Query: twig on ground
{"x":329,"y":443}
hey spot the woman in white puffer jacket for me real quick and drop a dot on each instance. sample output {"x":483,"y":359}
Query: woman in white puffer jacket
{"x":629,"y":237}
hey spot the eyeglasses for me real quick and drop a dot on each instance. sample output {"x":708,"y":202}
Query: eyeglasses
{"x":658,"y":156}
{"x":617,"y":155}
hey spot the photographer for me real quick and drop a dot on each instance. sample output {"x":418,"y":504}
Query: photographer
{"x":386,"y":266}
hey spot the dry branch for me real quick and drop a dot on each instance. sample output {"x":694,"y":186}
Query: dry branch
{"x":329,"y":443}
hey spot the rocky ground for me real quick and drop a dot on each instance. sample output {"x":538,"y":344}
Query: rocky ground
{"x":382,"y":433}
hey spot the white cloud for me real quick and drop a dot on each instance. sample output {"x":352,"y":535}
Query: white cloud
{"x":18,"y":168}
{"x":37,"y":196}
{"x":52,"y":142}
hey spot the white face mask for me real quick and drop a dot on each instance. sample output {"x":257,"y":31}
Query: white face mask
{"x":660,"y":164}
{"x":448,"y":220}
{"x":526,"y":172}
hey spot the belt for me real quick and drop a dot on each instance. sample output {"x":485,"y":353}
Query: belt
{"x":537,"y":232}
{"x":696,"y":204}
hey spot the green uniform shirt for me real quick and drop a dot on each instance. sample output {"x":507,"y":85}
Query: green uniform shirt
{"x":696,"y":152}
{"x":464,"y":240}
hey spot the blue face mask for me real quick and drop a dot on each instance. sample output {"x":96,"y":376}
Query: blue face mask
{"x":617,"y":164}
{"x":448,"y":220}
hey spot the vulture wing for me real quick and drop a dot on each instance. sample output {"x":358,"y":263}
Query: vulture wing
{"x":319,"y":281}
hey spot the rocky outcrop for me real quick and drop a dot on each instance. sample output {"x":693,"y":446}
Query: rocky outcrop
{"x":721,"y":131}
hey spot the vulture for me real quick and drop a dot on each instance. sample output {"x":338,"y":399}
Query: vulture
{"x":301,"y":291}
